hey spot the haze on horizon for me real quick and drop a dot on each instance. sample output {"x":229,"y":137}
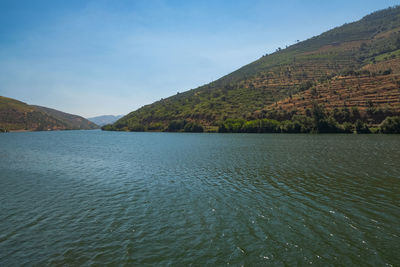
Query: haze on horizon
{"x":94,"y":58}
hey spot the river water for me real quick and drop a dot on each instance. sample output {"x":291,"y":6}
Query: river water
{"x":93,"y":197}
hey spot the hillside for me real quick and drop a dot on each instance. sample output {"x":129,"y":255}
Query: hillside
{"x":355,"y":65}
{"x":18,"y":116}
{"x":105,"y":119}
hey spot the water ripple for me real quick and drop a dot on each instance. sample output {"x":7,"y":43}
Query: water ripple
{"x":92,"y":197}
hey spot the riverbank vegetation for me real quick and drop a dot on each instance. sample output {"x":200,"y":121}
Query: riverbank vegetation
{"x":315,"y":120}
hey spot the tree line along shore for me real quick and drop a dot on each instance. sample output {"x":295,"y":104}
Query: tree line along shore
{"x":315,"y":120}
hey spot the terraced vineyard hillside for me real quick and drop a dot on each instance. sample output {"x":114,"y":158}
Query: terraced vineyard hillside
{"x":378,"y":85}
{"x":348,"y":66}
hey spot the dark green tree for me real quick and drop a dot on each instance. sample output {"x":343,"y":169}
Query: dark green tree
{"x":391,"y":125}
{"x":361,"y":127}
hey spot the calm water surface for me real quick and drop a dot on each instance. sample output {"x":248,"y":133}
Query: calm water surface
{"x":92,"y":197}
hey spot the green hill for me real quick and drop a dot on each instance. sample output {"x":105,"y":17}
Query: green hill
{"x":368,"y":47}
{"x":18,"y":116}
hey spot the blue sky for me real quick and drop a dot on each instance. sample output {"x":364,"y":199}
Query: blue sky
{"x":111,"y":57}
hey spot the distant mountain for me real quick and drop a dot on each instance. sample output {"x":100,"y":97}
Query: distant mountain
{"x":19,"y":116}
{"x":105,"y":119}
{"x":353,"y":67}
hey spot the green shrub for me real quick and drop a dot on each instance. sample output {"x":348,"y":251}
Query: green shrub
{"x":305,"y":85}
{"x":305,"y":122}
{"x":269,"y":126}
{"x":375,"y":130}
{"x":176,"y":125}
{"x":119,"y":125}
{"x":136,"y":128}
{"x":290,"y":127}
{"x":347,"y":127}
{"x":251,"y":126}
{"x":193,"y":127}
{"x":328,"y":125}
{"x":234,"y":125}
{"x":361,"y":127}
{"x":155,"y":126}
{"x":391,"y":125}
{"x":108,"y":127}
